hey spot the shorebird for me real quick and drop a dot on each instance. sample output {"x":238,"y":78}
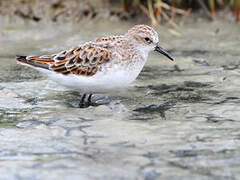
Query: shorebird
{"x":103,"y":65}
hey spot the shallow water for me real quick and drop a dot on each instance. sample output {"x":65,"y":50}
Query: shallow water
{"x":179,"y":120}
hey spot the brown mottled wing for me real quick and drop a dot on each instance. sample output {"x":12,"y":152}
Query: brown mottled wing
{"x":84,"y":60}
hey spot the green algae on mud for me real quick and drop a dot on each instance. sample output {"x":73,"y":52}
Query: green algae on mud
{"x":9,"y":117}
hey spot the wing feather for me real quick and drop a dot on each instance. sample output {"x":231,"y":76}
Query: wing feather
{"x":85,"y":60}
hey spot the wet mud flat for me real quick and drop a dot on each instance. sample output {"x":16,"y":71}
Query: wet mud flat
{"x":179,"y":120}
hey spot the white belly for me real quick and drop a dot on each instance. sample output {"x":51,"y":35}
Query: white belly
{"x":100,"y":82}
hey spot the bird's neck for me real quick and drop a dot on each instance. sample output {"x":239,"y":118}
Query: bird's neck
{"x":138,"y":51}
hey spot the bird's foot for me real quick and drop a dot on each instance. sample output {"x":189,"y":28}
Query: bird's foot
{"x":90,"y":100}
{"x":85,"y":101}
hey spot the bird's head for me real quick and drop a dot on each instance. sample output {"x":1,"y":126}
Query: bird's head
{"x":145,"y":39}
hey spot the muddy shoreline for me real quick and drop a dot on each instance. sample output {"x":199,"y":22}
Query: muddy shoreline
{"x":74,"y":11}
{"x":64,"y":11}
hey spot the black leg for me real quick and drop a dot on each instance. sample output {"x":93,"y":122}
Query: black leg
{"x":82,"y":101}
{"x":90,"y":98}
{"x":86,"y":101}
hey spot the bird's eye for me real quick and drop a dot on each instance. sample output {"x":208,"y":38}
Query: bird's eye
{"x":147,"y":39}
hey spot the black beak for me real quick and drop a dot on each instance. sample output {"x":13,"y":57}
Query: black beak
{"x":162,"y":51}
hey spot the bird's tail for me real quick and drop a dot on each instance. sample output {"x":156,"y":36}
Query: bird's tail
{"x":22,"y":59}
{"x":35,"y":61}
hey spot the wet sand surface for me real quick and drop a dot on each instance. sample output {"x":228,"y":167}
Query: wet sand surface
{"x":179,"y":120}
